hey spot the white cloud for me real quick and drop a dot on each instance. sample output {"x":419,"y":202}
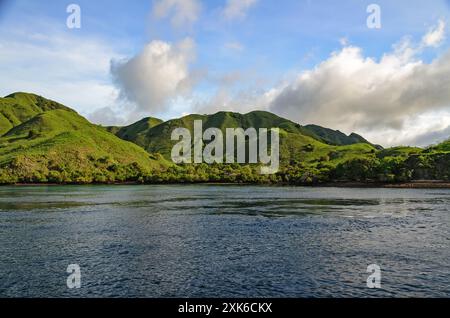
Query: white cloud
{"x":107,"y":116}
{"x":418,"y":130}
{"x":157,"y":75}
{"x":237,"y":9}
{"x":435,"y":36}
{"x":351,"y":92}
{"x":181,"y":12}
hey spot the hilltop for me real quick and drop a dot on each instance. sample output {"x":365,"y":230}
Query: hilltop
{"x":44,"y":141}
{"x":18,"y":108}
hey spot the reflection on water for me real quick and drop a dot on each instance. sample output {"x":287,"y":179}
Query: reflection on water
{"x":223,"y":241}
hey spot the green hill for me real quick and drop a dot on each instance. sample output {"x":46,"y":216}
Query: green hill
{"x":337,"y":138}
{"x":48,"y":142}
{"x":444,"y":146}
{"x":21,"y":107}
{"x":156,"y":138}
{"x":136,"y":132}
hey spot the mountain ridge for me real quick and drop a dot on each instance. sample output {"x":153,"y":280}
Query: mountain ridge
{"x":145,"y":136}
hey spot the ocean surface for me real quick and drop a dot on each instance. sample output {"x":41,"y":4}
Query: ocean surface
{"x":223,"y":241}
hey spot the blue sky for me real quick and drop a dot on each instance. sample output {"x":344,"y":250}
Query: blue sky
{"x":223,"y":56}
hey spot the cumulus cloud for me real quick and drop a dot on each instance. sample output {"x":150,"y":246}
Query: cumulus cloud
{"x":435,"y":36}
{"x":237,"y":9}
{"x":352,"y":92}
{"x":181,"y":12}
{"x":418,"y":130}
{"x":157,"y":75}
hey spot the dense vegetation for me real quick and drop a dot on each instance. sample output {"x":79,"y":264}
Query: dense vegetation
{"x":42,"y":141}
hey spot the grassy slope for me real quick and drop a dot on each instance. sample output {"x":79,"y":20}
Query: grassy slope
{"x":442,"y":147}
{"x":295,"y":139}
{"x":153,"y":136}
{"x":403,"y":152}
{"x":20,"y":107}
{"x":137,"y":131}
{"x":58,"y":139}
{"x":335,"y":137}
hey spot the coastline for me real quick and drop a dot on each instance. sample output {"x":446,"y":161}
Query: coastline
{"x":428,"y":184}
{"x":420,"y":185}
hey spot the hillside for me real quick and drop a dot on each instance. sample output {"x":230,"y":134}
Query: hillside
{"x":156,"y":138}
{"x":136,"y":132}
{"x":18,"y":108}
{"x":444,"y":146}
{"x":337,"y":138}
{"x":49,"y":142}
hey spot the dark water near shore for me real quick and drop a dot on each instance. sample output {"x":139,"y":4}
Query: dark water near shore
{"x":223,"y":241}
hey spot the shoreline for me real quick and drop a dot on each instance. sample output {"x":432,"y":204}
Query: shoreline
{"x":404,"y":185}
